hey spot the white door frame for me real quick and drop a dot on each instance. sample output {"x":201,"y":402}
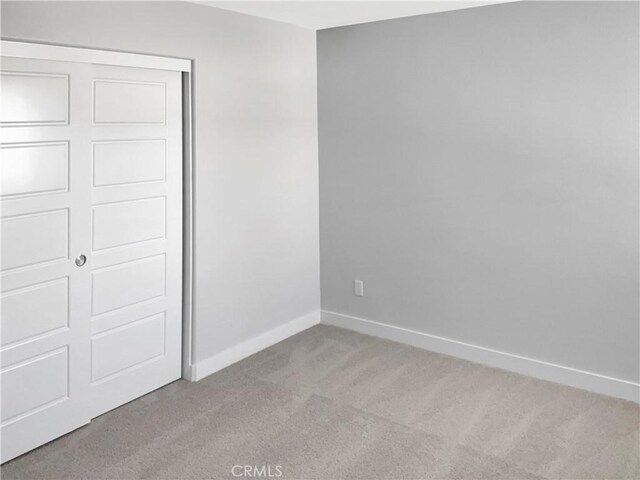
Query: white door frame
{"x":39,"y":51}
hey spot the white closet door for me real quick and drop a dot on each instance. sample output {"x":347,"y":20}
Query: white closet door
{"x":45,"y":223}
{"x":136,"y":233}
{"x":91,"y":165}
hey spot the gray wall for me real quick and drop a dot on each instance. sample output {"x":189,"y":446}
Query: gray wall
{"x":256,"y":191}
{"x":479,"y":171}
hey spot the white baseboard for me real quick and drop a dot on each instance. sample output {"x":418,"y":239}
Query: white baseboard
{"x":206,"y":367}
{"x":572,"y":377}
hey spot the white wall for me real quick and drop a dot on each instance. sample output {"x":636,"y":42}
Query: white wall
{"x":479,"y":171}
{"x":256,"y":190}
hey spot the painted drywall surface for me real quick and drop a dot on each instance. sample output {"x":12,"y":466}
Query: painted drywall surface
{"x":256,"y":189}
{"x":479,"y":171}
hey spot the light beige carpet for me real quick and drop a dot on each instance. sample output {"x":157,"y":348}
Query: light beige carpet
{"x":333,"y":404}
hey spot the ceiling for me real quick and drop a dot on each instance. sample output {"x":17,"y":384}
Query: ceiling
{"x":319,"y":15}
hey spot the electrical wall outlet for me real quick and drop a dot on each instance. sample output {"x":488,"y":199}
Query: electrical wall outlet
{"x":358,"y":288}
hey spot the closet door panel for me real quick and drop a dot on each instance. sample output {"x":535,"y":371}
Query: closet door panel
{"x":136,"y":233}
{"x":45,"y":223}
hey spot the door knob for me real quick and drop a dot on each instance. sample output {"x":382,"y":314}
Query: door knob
{"x":81,"y":260}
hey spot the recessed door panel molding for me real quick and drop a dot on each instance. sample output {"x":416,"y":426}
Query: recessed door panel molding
{"x":91,"y":251}
{"x":128,"y":222}
{"x":34,"y":239}
{"x":34,"y":384}
{"x":128,"y":253}
{"x":32,"y":311}
{"x":136,"y":343}
{"x":126,"y":284}
{"x":128,"y":102}
{"x":19,"y":89}
{"x":127,"y":162}
{"x":119,"y":318}
{"x":33,"y":168}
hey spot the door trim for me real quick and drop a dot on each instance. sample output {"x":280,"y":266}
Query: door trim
{"x":41,"y":51}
